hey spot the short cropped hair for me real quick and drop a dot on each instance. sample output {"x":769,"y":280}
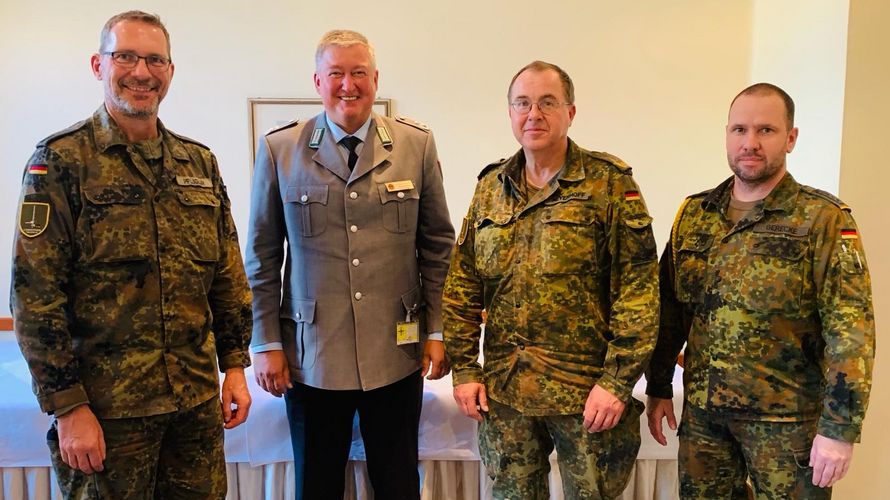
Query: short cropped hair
{"x":567,"y":86}
{"x":762,"y":89}
{"x":343,"y":38}
{"x":132,"y":15}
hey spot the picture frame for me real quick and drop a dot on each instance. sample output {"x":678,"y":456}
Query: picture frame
{"x":266,"y":113}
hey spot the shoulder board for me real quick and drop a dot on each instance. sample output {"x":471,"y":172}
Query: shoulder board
{"x":825,"y":195}
{"x":282,"y":127}
{"x":612,"y":159}
{"x":700,"y":195}
{"x":491,"y":166}
{"x":62,"y":133}
{"x":413,"y":123}
{"x":187,"y":139}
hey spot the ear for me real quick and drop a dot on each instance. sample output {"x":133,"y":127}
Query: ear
{"x":792,"y":140}
{"x":317,"y":81}
{"x":571,"y":113}
{"x":96,"y":66}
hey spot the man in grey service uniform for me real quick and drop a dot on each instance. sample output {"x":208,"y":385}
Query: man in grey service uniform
{"x":359,"y":199}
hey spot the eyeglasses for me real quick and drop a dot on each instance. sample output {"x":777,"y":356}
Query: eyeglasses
{"x":547,"y":105}
{"x":130,"y":60}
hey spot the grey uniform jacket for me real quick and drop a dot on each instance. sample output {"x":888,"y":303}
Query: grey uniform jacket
{"x":363,"y":249}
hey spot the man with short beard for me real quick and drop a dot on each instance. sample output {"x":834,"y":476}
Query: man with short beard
{"x":766,"y":282}
{"x":129,"y":290}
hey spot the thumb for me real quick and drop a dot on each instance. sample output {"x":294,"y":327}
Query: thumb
{"x":483,"y":399}
{"x":425,"y":364}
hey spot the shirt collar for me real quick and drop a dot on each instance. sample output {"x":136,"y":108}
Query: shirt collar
{"x":338,"y":133}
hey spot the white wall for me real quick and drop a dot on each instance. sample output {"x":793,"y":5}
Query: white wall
{"x":801,"y":46}
{"x":864,"y":181}
{"x":653,"y":79}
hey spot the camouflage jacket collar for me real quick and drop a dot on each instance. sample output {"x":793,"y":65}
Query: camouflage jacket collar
{"x":108,"y":134}
{"x":782,"y":198}
{"x":511,"y":170}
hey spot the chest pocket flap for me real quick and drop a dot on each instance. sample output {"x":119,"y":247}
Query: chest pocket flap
{"x":305,"y":195}
{"x":195,"y":197}
{"x":126,"y":194}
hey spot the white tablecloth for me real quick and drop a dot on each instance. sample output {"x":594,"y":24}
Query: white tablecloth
{"x":447,"y":438}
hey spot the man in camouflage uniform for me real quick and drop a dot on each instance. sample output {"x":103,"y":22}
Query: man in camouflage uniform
{"x":128,"y":289}
{"x":766,"y":281}
{"x":557,"y":248}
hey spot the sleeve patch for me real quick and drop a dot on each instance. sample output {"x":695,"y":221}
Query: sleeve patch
{"x":33,"y":218}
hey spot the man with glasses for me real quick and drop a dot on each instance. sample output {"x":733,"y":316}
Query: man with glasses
{"x":128,"y":289}
{"x":359,"y":199}
{"x":557,"y":248}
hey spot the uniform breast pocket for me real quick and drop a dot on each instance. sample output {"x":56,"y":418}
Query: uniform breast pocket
{"x":116,"y":219}
{"x":493,"y":245}
{"x":773,"y":277}
{"x":568,"y":240}
{"x":692,"y":267}
{"x":198,"y":229}
{"x":311,"y":203}
{"x":399,"y":209}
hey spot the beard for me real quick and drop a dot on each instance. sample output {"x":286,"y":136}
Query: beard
{"x":755,"y":176}
{"x":140,"y":110}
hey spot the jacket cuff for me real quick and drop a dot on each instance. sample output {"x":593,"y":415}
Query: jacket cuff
{"x":618,"y":389}
{"x":843,"y":432}
{"x":467,"y":376}
{"x":71,"y":397}
{"x":238,"y":359}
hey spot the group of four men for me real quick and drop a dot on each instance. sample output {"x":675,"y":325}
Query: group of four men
{"x":129,"y":293}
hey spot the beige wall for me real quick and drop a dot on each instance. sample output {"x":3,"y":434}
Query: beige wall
{"x":653,"y":79}
{"x":864,"y":180}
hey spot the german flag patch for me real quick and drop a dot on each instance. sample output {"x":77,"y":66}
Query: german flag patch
{"x":631,"y":195}
{"x":37,"y":169}
{"x":849,"y":234}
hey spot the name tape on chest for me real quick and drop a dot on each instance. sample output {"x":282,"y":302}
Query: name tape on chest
{"x":394,"y":186}
{"x":183,"y":180}
{"x":775,"y":228}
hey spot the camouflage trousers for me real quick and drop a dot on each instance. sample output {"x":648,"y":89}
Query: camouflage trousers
{"x":172,"y":456}
{"x":718,"y":454}
{"x":516,"y":448}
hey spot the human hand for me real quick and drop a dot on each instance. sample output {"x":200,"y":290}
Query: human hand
{"x":235,"y":398}
{"x":434,"y":361}
{"x":656,"y":410}
{"x":81,"y":441}
{"x":830,"y":460}
{"x":471,"y":398}
{"x":602,"y":410}
{"x":271,"y":372}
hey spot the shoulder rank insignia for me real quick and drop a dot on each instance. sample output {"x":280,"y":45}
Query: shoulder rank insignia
{"x":383,"y":134}
{"x":413,"y":123}
{"x":317,"y":135}
{"x":464,"y":228}
{"x":33,"y":218}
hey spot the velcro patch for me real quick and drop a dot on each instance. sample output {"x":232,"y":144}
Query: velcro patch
{"x":33,"y":218}
{"x":774,"y":228}
{"x":183,"y":180}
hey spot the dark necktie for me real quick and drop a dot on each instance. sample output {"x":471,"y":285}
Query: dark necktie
{"x":351,"y":142}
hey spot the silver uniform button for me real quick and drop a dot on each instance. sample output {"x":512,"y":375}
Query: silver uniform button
{"x":304,"y":198}
{"x":299,"y":315}
{"x":355,"y":262}
{"x":353,"y":195}
{"x":353,"y":228}
{"x":401,"y":194}
{"x":358,"y":295}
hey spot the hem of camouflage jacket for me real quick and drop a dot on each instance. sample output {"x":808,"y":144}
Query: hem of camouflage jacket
{"x":753,"y":414}
{"x":153,"y":409}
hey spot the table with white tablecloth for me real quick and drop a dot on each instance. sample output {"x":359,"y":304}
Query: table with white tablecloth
{"x":259,"y":454}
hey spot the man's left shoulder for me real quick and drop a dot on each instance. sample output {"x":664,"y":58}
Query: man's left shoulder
{"x":410,"y":122}
{"x":609,"y":159}
{"x":187,"y":140}
{"x":825,"y":197}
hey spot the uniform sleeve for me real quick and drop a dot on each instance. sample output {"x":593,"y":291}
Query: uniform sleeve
{"x":633,"y":289}
{"x":264,"y":253}
{"x":435,"y":236}
{"x":462,"y":306}
{"x":42,"y":257}
{"x":229,"y":295}
{"x":673,"y":330}
{"x":848,"y":328}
